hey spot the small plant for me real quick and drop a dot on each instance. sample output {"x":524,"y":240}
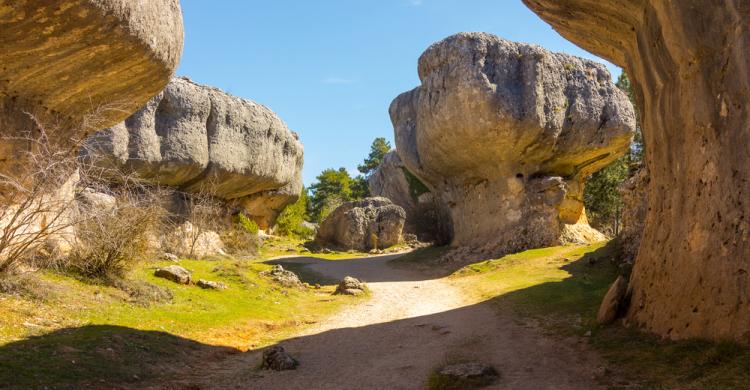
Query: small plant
{"x":244,"y":223}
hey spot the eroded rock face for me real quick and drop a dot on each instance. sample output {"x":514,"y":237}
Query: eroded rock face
{"x":687,"y":61}
{"x":424,"y":214}
{"x":506,"y":134}
{"x":198,"y":138}
{"x":635,"y":206}
{"x":372,"y":223}
{"x":63,"y":61}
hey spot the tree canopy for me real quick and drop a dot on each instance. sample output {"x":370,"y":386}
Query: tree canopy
{"x":380,"y":146}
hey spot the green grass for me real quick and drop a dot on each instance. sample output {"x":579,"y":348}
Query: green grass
{"x":561,"y":288}
{"x":82,"y":330}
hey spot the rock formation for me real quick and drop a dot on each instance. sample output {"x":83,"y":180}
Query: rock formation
{"x":635,"y":206}
{"x":506,"y":134}
{"x":74,"y":64}
{"x":372,"y":223}
{"x":687,"y":61}
{"x":198,"y":138}
{"x":423,"y":212}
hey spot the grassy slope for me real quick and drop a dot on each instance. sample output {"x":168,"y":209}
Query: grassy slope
{"x":62,"y":330}
{"x":561,"y":289}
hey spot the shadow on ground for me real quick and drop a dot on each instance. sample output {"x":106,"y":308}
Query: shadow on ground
{"x":397,"y":355}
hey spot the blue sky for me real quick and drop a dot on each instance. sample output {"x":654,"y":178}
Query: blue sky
{"x":330,"y":68}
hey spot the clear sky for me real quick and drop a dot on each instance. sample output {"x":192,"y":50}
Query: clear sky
{"x":330,"y":68}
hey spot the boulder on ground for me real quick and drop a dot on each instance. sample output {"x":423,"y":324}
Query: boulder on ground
{"x":189,"y":240}
{"x":614,"y":302}
{"x":174,"y":273}
{"x":466,"y":376}
{"x":199,"y":139}
{"x":506,"y":133}
{"x":372,"y":223}
{"x":276,"y":358}
{"x":73,"y":64}
{"x":350,"y":286}
{"x":285,"y":278}
{"x":424,"y":213}
{"x":211,"y":285}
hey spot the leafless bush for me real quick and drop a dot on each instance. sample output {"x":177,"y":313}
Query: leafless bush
{"x":35,"y":199}
{"x":110,"y":241}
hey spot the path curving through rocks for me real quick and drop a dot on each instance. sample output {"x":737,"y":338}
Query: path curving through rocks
{"x":394,"y":340}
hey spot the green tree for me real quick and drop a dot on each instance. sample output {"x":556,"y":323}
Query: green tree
{"x":602,"y":196}
{"x":289,"y":222}
{"x":333,"y":186}
{"x":360,"y":188}
{"x":380,"y":146}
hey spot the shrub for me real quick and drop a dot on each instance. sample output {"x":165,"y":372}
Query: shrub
{"x":246,"y":224}
{"x":110,"y":242}
{"x":289,"y":222}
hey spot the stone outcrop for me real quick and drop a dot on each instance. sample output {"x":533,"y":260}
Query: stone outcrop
{"x":687,"y":61}
{"x":350,"y":286}
{"x":506,"y":134}
{"x":424,"y":216}
{"x":200,"y":139}
{"x":372,"y":223}
{"x":635,"y":206}
{"x":613,"y":302}
{"x":74,"y":64}
{"x":174,"y":273}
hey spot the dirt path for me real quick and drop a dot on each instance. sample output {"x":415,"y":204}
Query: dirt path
{"x":409,"y":326}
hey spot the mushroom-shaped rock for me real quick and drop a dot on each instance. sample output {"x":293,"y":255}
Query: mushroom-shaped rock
{"x":68,"y":62}
{"x":688,"y":62}
{"x":506,"y":133}
{"x":198,"y":138}
{"x":424,"y":217}
{"x":371,"y":223}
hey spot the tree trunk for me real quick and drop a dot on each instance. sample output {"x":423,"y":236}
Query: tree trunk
{"x":687,"y":60}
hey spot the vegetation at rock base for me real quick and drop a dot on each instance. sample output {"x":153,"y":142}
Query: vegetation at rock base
{"x":559,"y":289}
{"x":290,"y":221}
{"x":245,"y":223}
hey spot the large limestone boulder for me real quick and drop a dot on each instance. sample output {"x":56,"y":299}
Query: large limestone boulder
{"x":506,"y":134}
{"x":424,"y":216}
{"x":78,"y":64}
{"x":372,"y":223}
{"x":687,"y":61}
{"x":198,"y":138}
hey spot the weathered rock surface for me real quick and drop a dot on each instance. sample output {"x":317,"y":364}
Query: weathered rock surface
{"x":467,"y":375}
{"x":424,"y":214}
{"x":174,"y":273}
{"x":276,"y":358}
{"x":211,"y":285}
{"x":350,"y":286}
{"x":506,"y":134}
{"x":200,"y":139}
{"x":189,"y":240}
{"x":283,"y":277}
{"x":372,"y":223}
{"x":687,"y":61}
{"x":635,"y":206}
{"x":63,"y":61}
{"x":614,"y":302}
